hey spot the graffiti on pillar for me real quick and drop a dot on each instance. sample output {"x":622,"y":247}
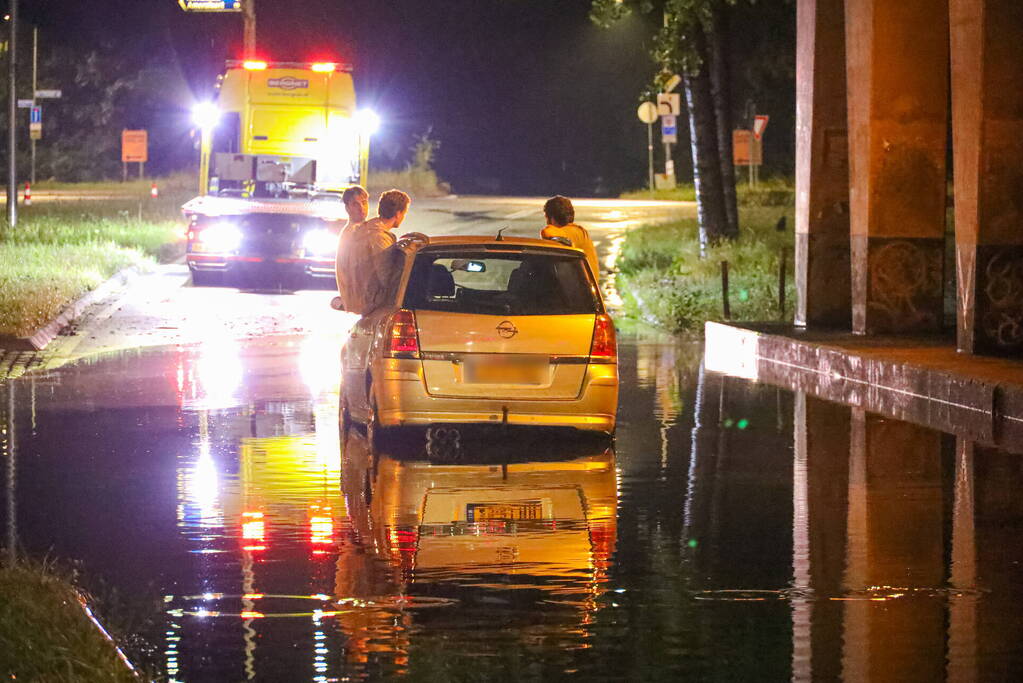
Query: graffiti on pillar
{"x":904,"y":278}
{"x":1001,"y":314}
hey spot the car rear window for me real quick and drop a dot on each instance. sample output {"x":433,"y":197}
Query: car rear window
{"x":496,"y":283}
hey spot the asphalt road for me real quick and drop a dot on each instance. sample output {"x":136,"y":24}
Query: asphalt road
{"x":164,"y":308}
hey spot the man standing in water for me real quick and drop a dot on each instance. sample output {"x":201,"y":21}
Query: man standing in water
{"x":367,"y":259}
{"x":560,"y":216}
{"x":356,"y":201}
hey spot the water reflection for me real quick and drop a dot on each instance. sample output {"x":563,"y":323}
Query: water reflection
{"x":735,"y":530}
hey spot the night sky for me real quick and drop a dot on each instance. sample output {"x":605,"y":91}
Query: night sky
{"x":525,"y":96}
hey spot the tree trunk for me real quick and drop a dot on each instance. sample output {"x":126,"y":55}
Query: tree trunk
{"x":721,"y":91}
{"x":704,"y":142}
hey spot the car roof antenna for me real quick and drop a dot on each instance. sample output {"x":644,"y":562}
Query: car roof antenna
{"x":499,"y":238}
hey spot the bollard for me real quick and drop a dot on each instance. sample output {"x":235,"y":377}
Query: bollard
{"x":153,"y":192}
{"x":781,"y":280}
{"x":726,"y":309}
{"x":28,"y":194}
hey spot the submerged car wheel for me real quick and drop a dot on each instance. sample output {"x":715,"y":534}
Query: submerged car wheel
{"x":374,"y":431}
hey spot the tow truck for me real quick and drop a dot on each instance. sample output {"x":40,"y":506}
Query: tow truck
{"x":279,"y":145}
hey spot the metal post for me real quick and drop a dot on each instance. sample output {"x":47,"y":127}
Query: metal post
{"x":35,"y":74}
{"x":726,"y":309}
{"x":249,"y":12}
{"x":12,"y":119}
{"x":650,"y":157}
{"x":782,"y":264}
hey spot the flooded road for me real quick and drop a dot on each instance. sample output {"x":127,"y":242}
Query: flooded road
{"x":733,"y":530}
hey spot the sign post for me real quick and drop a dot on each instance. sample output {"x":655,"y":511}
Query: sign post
{"x":759,"y":126}
{"x":669,"y":106}
{"x":134,"y":148}
{"x":746,"y":151}
{"x":647,"y":113}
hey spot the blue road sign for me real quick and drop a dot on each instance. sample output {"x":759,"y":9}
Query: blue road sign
{"x":35,"y":114}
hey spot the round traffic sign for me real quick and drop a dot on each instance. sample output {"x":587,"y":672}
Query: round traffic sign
{"x":647,"y":112}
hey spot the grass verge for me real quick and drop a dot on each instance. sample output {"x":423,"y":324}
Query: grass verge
{"x":664,"y":281}
{"x":45,"y":635}
{"x":62,"y":249}
{"x":778,"y":191}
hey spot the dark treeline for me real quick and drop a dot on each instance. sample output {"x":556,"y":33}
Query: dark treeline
{"x":524,"y":96}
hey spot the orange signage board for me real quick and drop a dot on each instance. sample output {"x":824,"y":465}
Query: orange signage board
{"x":743,"y":145}
{"x":134,"y":146}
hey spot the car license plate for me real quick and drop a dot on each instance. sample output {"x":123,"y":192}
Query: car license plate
{"x":506,"y":372}
{"x":482,"y":512}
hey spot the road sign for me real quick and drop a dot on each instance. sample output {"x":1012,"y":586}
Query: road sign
{"x":647,"y":112}
{"x":25,"y":104}
{"x":134,"y":146}
{"x":760,"y":125}
{"x":48,"y":94}
{"x":672,"y":83}
{"x":211,"y":5}
{"x":669,"y":104}
{"x":669,"y":129}
{"x":744,"y":145}
{"x":35,"y":122}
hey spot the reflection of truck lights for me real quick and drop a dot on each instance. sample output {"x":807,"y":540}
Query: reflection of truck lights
{"x":252,"y":615}
{"x":253,"y":529}
{"x":321,"y":532}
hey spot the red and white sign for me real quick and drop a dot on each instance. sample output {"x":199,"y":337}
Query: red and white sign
{"x":760,"y":125}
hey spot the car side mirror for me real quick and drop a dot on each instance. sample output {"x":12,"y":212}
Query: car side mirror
{"x":337,"y":304}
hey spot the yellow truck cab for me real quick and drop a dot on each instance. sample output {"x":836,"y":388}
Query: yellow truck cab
{"x":280,"y":144}
{"x":284,"y":126}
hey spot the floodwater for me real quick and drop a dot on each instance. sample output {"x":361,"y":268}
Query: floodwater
{"x":733,"y":530}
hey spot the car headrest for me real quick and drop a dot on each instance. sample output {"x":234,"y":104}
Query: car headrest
{"x":440,"y":282}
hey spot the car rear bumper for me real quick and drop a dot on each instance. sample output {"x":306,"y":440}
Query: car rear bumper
{"x":402,"y":400}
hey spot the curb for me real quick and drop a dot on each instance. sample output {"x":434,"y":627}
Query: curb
{"x":38,"y":340}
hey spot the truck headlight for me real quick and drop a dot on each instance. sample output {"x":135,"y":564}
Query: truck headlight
{"x":320,"y":242}
{"x":220,"y":237}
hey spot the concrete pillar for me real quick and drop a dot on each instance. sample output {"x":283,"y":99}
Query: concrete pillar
{"x":897,"y":79}
{"x":822,"y":167}
{"x":987,"y":113}
{"x":896,"y":543}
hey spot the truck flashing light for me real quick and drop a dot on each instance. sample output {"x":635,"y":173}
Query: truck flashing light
{"x":254,"y":65}
{"x":367,"y":121}
{"x":324,"y":67}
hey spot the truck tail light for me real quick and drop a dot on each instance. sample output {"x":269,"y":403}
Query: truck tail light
{"x":604,"y":348}
{"x":254,"y":65}
{"x":324,"y":67}
{"x":403,"y":340}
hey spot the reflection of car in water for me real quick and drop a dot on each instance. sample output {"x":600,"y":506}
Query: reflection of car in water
{"x":537,"y":524}
{"x":485,"y":330}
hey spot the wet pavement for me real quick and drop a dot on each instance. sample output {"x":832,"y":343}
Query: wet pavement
{"x":733,"y":530}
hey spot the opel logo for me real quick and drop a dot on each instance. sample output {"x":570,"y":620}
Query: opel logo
{"x":507,"y":330}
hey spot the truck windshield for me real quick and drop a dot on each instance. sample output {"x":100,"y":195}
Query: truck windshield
{"x":508,"y":283}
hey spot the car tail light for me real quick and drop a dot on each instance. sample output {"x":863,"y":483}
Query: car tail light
{"x":403,"y":340}
{"x":604,"y":348}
